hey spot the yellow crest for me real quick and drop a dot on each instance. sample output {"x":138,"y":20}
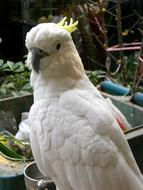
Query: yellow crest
{"x":71,"y":27}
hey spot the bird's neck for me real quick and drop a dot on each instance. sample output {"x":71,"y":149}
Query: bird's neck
{"x":52,"y":88}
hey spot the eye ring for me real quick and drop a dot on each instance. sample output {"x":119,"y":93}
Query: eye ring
{"x":40,"y":51}
{"x":58,"y":46}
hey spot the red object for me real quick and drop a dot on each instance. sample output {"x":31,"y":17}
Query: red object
{"x":126,"y":47}
{"x":122,"y":126}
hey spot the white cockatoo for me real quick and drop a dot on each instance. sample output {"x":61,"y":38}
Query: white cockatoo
{"x":74,"y":134}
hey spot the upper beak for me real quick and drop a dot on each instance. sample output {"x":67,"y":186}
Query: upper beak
{"x":37,"y":54}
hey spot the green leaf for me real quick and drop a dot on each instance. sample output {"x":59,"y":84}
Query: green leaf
{"x":19,"y":67}
{"x":27,"y":86}
{"x":1,"y":62}
{"x":3,"y":91}
{"x":19,"y":70}
{"x":24,"y":92}
{"x":8,"y":152}
{"x":5,"y":66}
{"x":10,"y":65}
{"x":10,"y":86}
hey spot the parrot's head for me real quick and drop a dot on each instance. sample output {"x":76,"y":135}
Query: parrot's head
{"x":52,"y":52}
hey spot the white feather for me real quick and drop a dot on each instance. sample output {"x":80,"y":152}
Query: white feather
{"x":75,"y":137}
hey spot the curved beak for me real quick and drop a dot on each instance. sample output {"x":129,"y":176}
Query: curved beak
{"x":37,"y":54}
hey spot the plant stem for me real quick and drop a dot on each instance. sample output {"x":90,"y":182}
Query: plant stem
{"x":120,"y":39}
{"x":138,"y":77}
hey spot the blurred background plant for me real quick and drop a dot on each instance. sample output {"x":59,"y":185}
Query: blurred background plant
{"x":14,"y":80}
{"x":104,"y":24}
{"x":96,"y":76}
{"x":92,"y":33}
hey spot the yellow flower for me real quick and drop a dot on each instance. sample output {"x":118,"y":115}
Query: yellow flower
{"x":119,"y":61}
{"x":42,"y":19}
{"x":125,"y":32}
{"x":103,"y":10}
{"x":105,"y":45}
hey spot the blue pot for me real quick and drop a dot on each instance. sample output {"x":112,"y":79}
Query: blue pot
{"x":15,"y":182}
{"x":11,"y":174}
{"x":112,"y":88}
{"x":137,"y":98}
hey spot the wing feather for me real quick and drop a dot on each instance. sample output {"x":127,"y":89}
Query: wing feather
{"x":85,"y":147}
{"x":107,"y":153}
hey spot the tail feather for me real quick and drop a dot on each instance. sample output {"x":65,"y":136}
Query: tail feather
{"x":119,"y":178}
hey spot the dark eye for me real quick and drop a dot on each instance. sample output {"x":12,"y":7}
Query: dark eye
{"x":58,"y":46}
{"x":40,"y":52}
